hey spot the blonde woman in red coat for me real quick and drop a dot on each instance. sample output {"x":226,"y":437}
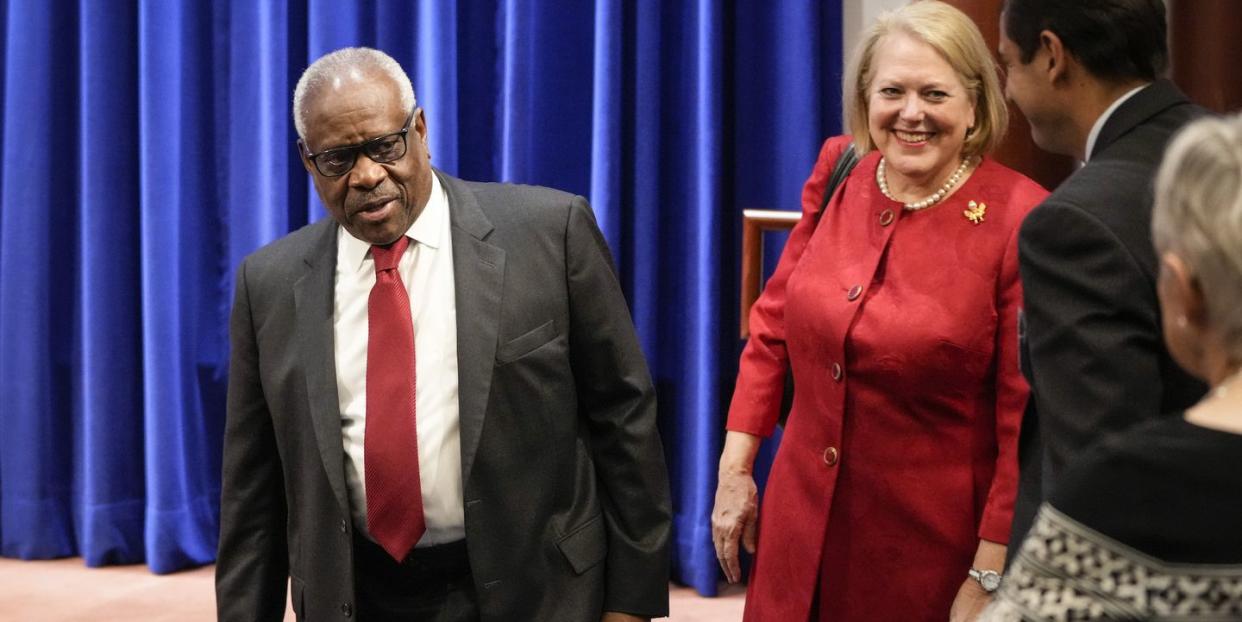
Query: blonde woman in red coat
{"x":892,"y":492}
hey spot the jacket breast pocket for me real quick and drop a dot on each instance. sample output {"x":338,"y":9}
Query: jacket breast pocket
{"x":585,"y":546}
{"x":526,"y":343}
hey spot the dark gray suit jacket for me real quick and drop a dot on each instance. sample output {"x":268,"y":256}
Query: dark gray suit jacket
{"x":1091,"y":339}
{"x":566,"y":493}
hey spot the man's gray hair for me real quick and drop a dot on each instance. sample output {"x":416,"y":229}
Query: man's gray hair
{"x":1198,"y":215}
{"x":341,"y":62}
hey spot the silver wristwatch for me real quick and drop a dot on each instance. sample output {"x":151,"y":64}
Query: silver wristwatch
{"x":990,"y":580}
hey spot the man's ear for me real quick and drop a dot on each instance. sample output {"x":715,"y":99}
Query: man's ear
{"x":420,"y":128}
{"x":1055,"y":57}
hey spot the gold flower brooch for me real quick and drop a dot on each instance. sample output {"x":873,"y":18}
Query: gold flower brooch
{"x":974,"y":212}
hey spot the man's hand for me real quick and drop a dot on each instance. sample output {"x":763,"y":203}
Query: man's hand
{"x":969,"y":602}
{"x":613,"y":616}
{"x":734,"y":518}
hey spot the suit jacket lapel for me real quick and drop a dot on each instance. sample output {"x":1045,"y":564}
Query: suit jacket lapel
{"x":312,"y":296}
{"x":479,"y":269}
{"x":1147,"y":103}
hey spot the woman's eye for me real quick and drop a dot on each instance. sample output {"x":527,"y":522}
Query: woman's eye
{"x":937,"y":95}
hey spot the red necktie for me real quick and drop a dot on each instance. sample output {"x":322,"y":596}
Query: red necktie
{"x":390,"y":446}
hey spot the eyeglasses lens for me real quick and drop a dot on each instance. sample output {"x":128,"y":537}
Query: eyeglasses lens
{"x":337,"y":162}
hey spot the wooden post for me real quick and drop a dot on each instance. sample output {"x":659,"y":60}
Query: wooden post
{"x":754,"y":223}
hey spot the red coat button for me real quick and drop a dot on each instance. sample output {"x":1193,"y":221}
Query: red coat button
{"x":854,"y":293}
{"x":831,"y":456}
{"x":836,"y":372}
{"x":886,"y":217}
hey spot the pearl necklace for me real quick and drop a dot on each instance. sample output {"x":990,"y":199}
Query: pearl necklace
{"x":931,"y":200}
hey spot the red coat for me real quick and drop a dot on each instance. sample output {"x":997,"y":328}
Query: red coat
{"x":900,"y":451}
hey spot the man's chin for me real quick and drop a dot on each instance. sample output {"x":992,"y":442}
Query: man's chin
{"x":379,"y":227}
{"x":1053,"y":147}
{"x":380,"y":234}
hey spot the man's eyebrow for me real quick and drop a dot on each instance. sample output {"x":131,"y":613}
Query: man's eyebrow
{"x":357,"y":144}
{"x":346,"y":145}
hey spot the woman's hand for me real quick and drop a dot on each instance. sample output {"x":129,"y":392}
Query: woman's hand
{"x":736,"y":513}
{"x":969,"y":602}
{"x":971,"y":597}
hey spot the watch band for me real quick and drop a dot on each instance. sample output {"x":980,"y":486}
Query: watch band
{"x":989,"y":580}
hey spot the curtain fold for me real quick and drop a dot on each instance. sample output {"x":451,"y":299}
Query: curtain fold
{"x":37,"y":316}
{"x":181,"y":238}
{"x":109,"y":323}
{"x":148,"y":147}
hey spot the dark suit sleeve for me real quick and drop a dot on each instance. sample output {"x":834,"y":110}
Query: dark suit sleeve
{"x":618,"y":408}
{"x":252,"y":562}
{"x":1093,"y":332}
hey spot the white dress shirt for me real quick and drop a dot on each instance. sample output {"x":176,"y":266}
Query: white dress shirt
{"x":1108,"y":112}
{"x":427,"y":271}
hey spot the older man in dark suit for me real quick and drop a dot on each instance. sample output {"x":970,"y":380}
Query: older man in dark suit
{"x":1086,"y":75}
{"x":438,"y":409}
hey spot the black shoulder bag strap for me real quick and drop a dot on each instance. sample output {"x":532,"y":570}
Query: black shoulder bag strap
{"x":845,"y":163}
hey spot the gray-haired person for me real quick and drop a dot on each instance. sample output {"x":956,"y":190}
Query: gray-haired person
{"x":437,"y":406}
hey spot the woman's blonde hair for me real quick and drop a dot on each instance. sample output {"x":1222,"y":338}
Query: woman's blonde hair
{"x":951,"y":33}
{"x":1198,"y":216}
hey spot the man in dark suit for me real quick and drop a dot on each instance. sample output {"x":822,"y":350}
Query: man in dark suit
{"x":1086,"y":75}
{"x":438,"y":409}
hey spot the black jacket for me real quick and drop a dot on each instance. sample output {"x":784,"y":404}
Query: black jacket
{"x":1091,"y":334}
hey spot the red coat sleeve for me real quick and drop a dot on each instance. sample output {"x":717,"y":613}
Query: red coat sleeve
{"x":1012,"y":390}
{"x":756,"y":403}
{"x":1011,"y":396}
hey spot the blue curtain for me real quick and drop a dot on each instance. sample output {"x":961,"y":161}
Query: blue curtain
{"x":147,"y":147}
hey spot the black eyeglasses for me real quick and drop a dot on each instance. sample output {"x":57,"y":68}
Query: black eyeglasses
{"x":338,"y":161}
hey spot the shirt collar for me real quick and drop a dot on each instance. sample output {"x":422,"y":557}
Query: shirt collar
{"x":426,"y":230}
{"x":1108,"y":112}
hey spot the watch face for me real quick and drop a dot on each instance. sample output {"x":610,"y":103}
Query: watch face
{"x":990,"y":581}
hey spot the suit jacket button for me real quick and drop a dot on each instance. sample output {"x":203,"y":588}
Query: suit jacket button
{"x":836,"y":372}
{"x":346,"y":610}
{"x":854,"y":293}
{"x":344,"y":526}
{"x":831,"y":456}
{"x":886,"y":218}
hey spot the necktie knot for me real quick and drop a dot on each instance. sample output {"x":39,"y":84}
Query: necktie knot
{"x":387,"y":257}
